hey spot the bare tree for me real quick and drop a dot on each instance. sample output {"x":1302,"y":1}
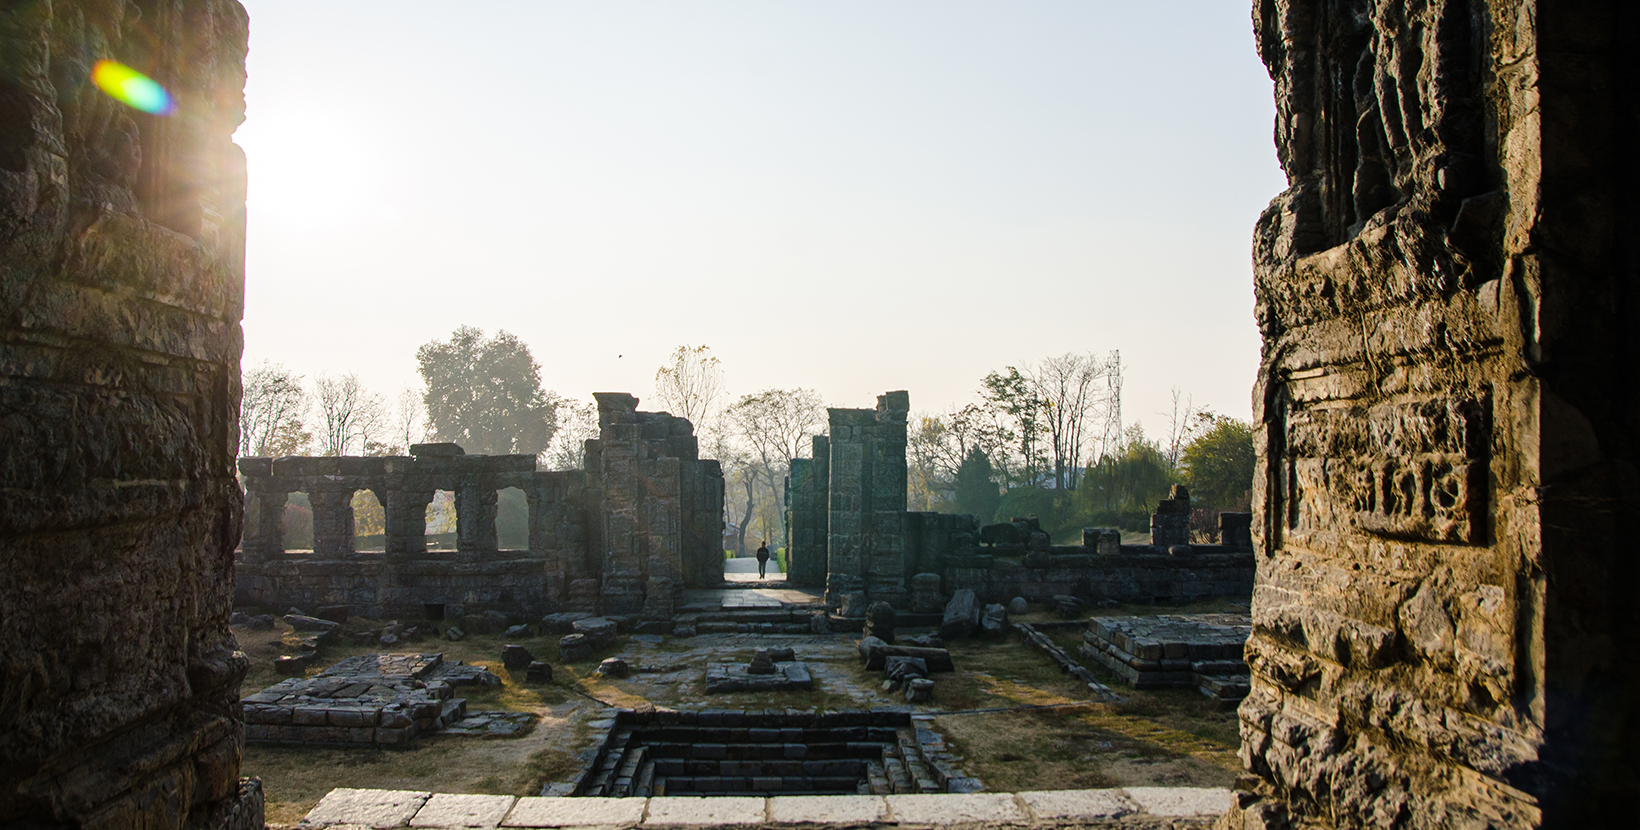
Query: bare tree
{"x":1069,"y":389}
{"x":1180,"y":425}
{"x":773,"y":427}
{"x":577,"y":421}
{"x":272,"y":408}
{"x":350,"y":414}
{"x":409,"y":424}
{"x":690,"y":386}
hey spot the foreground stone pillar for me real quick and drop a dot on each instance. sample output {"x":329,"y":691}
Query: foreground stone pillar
{"x":121,"y":288}
{"x":1444,"y":622}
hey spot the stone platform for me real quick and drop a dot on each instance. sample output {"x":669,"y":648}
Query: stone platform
{"x":736,"y":677}
{"x":369,"y":699}
{"x":1201,"y":651}
{"x":1133,"y":808}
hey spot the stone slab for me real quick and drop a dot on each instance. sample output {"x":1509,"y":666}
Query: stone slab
{"x":1078,"y":804}
{"x":967,"y":808}
{"x":371,"y":808}
{"x":576,"y":812}
{"x":674,"y":811}
{"x":1181,"y":801}
{"x":463,"y":810}
{"x":827,"y":809}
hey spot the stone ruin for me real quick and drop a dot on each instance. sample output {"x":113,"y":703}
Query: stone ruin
{"x":1442,"y":626}
{"x":849,"y":532}
{"x":622,"y":538}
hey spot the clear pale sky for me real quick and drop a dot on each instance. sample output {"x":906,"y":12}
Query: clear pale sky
{"x":849,"y":196}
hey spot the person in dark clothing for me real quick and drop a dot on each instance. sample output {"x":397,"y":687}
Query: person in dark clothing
{"x":762,"y":558}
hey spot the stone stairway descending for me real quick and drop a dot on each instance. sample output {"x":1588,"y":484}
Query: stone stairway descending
{"x":725,"y":753}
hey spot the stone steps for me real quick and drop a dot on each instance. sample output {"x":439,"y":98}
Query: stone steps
{"x":770,"y":752}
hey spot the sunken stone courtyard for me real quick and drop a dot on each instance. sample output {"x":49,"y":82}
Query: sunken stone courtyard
{"x":1424,"y":621}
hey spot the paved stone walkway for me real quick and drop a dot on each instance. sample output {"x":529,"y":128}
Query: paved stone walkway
{"x":1133,"y":807}
{"x":745,"y":570}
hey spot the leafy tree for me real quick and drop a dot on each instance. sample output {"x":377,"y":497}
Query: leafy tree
{"x":976,"y":488}
{"x":1130,"y":480}
{"x":1218,"y":463}
{"x":486,"y":395}
{"x":271,"y":411}
{"x":1014,"y":397}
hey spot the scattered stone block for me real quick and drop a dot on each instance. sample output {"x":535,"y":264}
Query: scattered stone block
{"x":293,"y":664}
{"x":563,"y":622}
{"x":518,"y":632}
{"x":260,"y":622}
{"x":573,"y":648}
{"x":1018,"y":605}
{"x":938,"y":659}
{"x":238,"y":618}
{"x":994,"y":621}
{"x":538,"y":672}
{"x":961,"y":614}
{"x":613,"y":667}
{"x":334,"y":613}
{"x":1067,"y":606}
{"x":880,"y":619}
{"x":782,"y":654}
{"x":901,"y":668}
{"x":454,"y":633}
{"x":919,"y":690}
{"x":302,"y":623}
{"x":925,"y":641}
{"x":926,"y":597}
{"x":516,"y":657}
{"x":598,"y":631}
{"x":761,"y":663}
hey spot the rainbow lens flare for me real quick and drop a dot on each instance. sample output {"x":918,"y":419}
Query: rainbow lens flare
{"x":132,"y":88}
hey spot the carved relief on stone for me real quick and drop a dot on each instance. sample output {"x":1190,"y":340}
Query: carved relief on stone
{"x":1415,"y":470}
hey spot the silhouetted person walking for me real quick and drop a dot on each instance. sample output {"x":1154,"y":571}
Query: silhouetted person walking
{"x":762,"y":558}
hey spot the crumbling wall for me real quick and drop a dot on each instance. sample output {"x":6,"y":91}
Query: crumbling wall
{"x":866,"y":502}
{"x":121,"y":288}
{"x":807,"y":489}
{"x":1443,"y":634}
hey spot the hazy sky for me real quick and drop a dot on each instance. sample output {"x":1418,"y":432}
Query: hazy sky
{"x":849,"y":196}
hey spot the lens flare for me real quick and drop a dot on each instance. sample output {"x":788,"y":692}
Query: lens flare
{"x":132,"y":88}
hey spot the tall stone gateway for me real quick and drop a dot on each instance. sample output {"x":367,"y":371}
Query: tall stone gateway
{"x":866,"y":522}
{"x":121,"y":288}
{"x":1445,"y":628}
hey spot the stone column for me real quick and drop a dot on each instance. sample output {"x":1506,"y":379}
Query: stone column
{"x":332,"y":522}
{"x":406,"y":523}
{"x":475,"y":522}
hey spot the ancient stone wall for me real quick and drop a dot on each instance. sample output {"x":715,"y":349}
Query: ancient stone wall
{"x":807,"y":489}
{"x":121,"y":288}
{"x":866,"y":501}
{"x":1443,"y":634}
{"x":622,"y":537}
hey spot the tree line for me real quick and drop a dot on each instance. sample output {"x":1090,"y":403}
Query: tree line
{"x":1043,"y":439}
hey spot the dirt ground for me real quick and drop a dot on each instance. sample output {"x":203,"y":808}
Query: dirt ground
{"x":1161,"y":738}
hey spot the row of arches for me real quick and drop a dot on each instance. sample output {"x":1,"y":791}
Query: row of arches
{"x":441,"y":522}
